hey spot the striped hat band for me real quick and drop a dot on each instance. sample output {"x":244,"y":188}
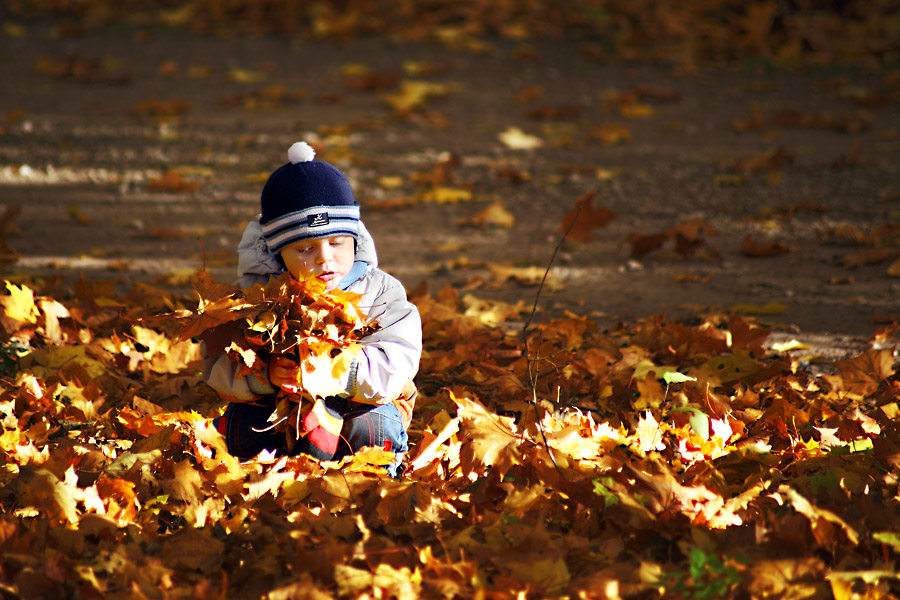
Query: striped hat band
{"x":310,"y":223}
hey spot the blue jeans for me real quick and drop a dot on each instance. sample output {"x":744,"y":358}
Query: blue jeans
{"x":242,"y":426}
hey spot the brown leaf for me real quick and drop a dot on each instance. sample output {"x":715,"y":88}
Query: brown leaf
{"x":863,"y":374}
{"x":755,"y":248}
{"x":560,"y":112}
{"x":191,"y":548}
{"x":610,"y":134}
{"x":643,"y":244}
{"x":371,"y":81}
{"x":579,"y":223}
{"x":154,"y":107}
{"x":869,"y":256}
{"x":172,"y":181}
{"x":441,"y":174}
{"x":775,"y":159}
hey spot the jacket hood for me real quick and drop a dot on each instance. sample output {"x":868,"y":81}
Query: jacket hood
{"x":256,"y":260}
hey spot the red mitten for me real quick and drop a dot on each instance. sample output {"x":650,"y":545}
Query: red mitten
{"x":323,"y":427}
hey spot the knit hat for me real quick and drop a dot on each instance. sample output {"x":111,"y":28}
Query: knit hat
{"x":306,"y":199}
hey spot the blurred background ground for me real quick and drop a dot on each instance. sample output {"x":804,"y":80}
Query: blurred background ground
{"x":727,"y":157}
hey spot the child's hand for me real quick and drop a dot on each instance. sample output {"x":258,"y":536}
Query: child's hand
{"x":284,"y":373}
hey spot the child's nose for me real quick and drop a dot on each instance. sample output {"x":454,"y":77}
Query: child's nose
{"x":323,"y":254}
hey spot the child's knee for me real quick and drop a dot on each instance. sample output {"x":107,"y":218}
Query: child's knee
{"x":380,"y":426}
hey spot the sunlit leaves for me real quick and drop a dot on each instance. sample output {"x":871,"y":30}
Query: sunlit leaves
{"x":652,"y":435}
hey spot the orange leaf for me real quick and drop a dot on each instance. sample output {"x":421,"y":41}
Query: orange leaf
{"x":172,"y":181}
{"x":756,"y":248}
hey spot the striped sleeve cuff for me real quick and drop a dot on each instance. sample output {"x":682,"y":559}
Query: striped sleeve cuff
{"x":258,"y":382}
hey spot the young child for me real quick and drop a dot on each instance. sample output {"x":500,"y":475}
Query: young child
{"x":310,"y":227}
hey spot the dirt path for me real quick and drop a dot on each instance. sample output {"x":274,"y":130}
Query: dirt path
{"x":813,"y":172}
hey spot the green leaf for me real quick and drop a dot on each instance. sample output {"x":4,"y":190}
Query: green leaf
{"x":676,"y":377}
{"x":890,"y":538}
{"x":699,"y":420}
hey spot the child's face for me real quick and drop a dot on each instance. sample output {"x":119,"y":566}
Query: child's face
{"x":327,"y":259}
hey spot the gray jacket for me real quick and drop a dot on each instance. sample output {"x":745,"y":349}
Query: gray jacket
{"x":389,"y":357}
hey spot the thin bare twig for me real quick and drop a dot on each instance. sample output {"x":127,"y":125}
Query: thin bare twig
{"x":532,"y":378}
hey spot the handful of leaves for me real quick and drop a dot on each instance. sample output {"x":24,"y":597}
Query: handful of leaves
{"x":297,"y":319}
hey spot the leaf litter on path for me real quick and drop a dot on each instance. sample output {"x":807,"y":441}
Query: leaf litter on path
{"x":518,"y":460}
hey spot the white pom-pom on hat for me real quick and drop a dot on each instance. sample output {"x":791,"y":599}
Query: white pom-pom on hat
{"x":301,"y":152}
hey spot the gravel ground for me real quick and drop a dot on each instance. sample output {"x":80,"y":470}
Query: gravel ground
{"x":805,"y":164}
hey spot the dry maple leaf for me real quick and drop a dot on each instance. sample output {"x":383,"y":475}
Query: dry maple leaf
{"x":578,"y":225}
{"x":863,"y":374}
{"x":488,"y":440}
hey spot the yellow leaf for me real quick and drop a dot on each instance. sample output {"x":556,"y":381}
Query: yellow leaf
{"x":14,"y":30}
{"x":516,"y":139}
{"x":488,"y":439}
{"x":770,"y":308}
{"x":733,"y":367}
{"x":894,"y":269}
{"x":636,"y":111}
{"x":495,"y":215}
{"x":447,"y":195}
{"x":646,"y":367}
{"x":413,"y":94}
{"x":46,"y":362}
{"x":353,"y":69}
{"x":177,"y":17}
{"x":525,"y":276}
{"x":55,"y":498}
{"x":390,"y":181}
{"x":352,"y":581}
{"x":491,"y":312}
{"x":370,"y":455}
{"x":18,"y":307}
{"x":260,"y":177}
{"x":789,"y":346}
{"x":245,"y":76}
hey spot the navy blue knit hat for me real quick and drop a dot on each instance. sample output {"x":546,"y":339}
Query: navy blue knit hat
{"x":306,"y":199}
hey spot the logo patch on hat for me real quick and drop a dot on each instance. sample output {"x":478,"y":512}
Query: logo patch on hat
{"x":317,"y":220}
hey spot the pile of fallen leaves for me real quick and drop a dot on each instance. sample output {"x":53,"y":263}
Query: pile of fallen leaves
{"x":788,"y":33}
{"x":654,"y":459}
